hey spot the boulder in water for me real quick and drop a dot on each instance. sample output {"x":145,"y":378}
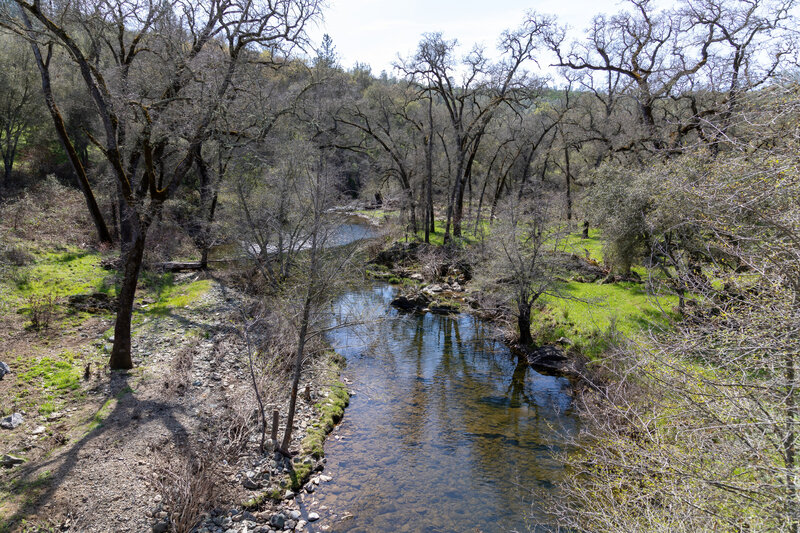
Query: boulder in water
{"x":411,"y":301}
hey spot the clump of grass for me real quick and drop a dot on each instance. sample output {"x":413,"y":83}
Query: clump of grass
{"x":274,"y":494}
{"x":41,"y":310}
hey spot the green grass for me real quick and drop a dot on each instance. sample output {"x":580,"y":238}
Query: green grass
{"x":55,"y":274}
{"x":591,"y":248}
{"x":378,"y":214}
{"x":592,"y":314}
{"x":47,"y":381}
{"x":25,"y":493}
{"x":106,"y":409}
{"x":468,"y":235}
{"x":170,"y":296}
{"x":65,"y":273}
{"x":53,"y":374}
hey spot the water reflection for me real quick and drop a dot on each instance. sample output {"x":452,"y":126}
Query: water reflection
{"x":446,"y":432}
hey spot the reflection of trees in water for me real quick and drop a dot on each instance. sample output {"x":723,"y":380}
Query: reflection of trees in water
{"x":436,"y":374}
{"x":411,"y":415}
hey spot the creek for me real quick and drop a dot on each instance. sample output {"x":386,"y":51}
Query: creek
{"x":445,"y":431}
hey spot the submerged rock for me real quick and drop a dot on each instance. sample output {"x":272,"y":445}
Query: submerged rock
{"x":441,"y":308}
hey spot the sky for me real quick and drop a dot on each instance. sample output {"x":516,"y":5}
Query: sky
{"x":375,"y":31}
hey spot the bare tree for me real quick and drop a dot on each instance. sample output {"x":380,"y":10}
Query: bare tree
{"x":387,"y":116}
{"x":170,"y":69}
{"x":527,"y":240}
{"x":697,"y":428}
{"x":18,"y":112}
{"x":472,"y":101}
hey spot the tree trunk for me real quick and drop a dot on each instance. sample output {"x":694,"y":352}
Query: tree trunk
{"x":789,"y":450}
{"x":524,"y":324}
{"x":458,"y":207}
{"x":568,"y":177}
{"x":585,"y":234}
{"x":103,"y":235}
{"x":8,"y":166}
{"x":132,"y":263}
{"x":298,"y":366}
{"x":429,"y":222}
{"x":412,"y":210}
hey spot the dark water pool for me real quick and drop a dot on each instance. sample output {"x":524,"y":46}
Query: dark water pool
{"x":445,"y":431}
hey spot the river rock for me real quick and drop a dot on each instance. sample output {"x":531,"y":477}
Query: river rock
{"x":313,"y":517}
{"x":277,"y":520}
{"x":250,"y":484}
{"x":294,"y":514}
{"x":4,"y":369}
{"x":12,"y":422}
{"x":9,"y":460}
{"x":411,"y":301}
{"x":433,"y":289}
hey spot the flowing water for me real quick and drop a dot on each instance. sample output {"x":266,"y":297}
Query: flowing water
{"x":445,"y":431}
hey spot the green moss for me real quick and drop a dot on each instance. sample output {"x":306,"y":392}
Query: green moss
{"x":299,"y":474}
{"x":331,"y":411}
